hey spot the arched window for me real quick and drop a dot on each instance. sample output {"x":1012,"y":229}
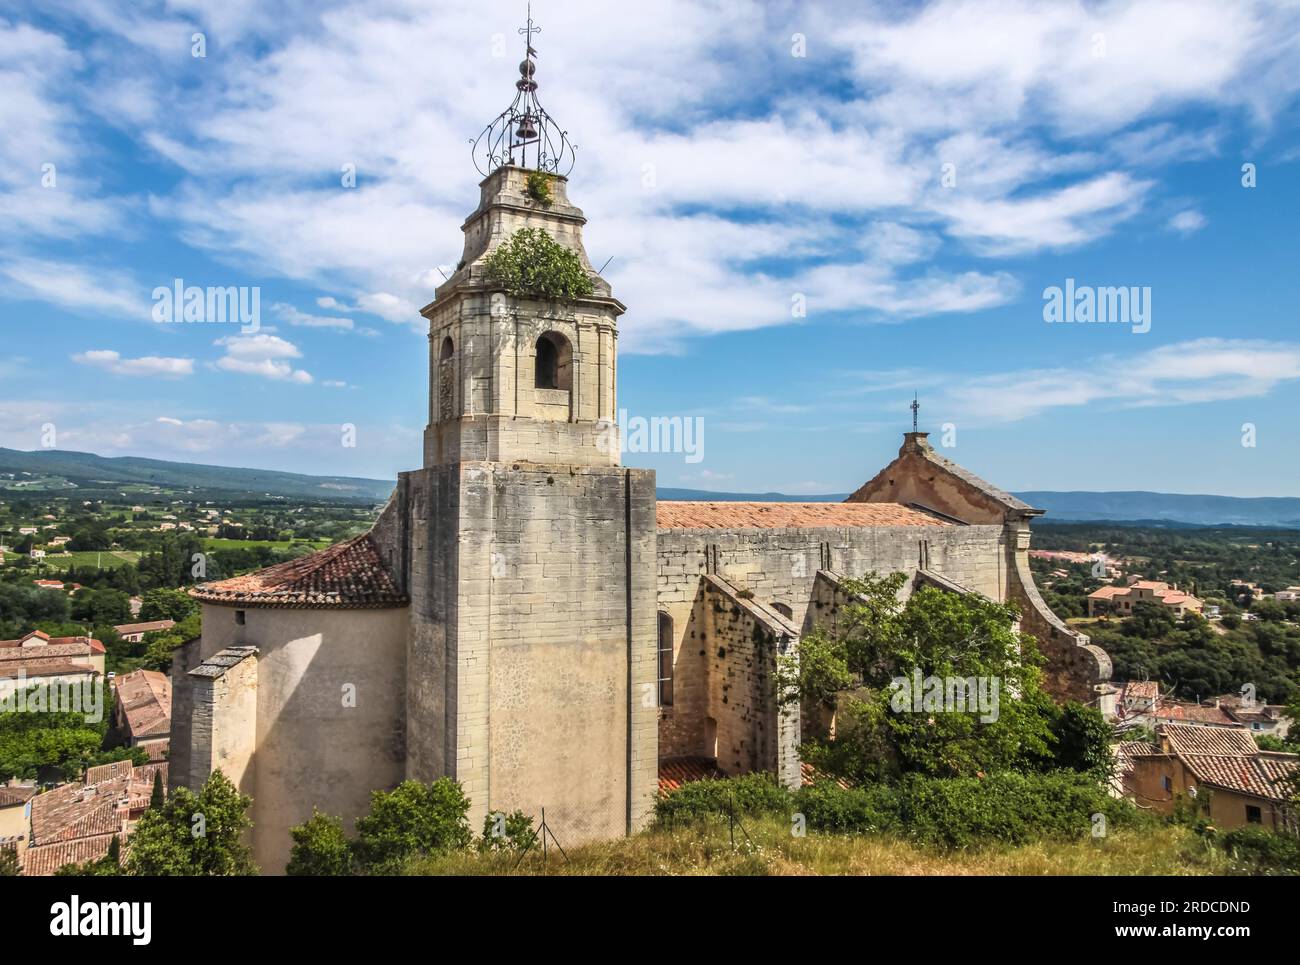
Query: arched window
{"x":553,"y":367}
{"x":446,"y":380}
{"x":665,"y":660}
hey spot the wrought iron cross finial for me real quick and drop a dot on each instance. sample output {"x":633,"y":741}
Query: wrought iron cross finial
{"x":915,"y":407}
{"x":528,"y":31}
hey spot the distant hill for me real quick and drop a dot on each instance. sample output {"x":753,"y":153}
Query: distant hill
{"x":54,"y":469}
{"x":58,"y":469}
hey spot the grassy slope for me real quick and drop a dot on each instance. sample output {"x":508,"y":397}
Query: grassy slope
{"x":706,"y":850}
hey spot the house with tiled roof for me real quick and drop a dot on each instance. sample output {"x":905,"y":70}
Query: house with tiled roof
{"x":1120,"y":600}
{"x":39,"y":659}
{"x":1218,"y":771}
{"x":134,"y":632}
{"x":527,"y":618}
{"x":77,"y":822}
{"x":142,"y":709}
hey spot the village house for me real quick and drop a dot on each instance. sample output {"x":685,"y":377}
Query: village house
{"x":1218,"y":771}
{"x":77,"y":822}
{"x":38,"y":658}
{"x":15,"y":817}
{"x":142,"y":710}
{"x":1120,"y":600}
{"x":134,"y":632}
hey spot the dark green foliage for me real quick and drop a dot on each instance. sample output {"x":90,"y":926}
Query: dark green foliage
{"x":156,"y":796}
{"x":1081,"y":740}
{"x":749,"y":795}
{"x":320,"y":847}
{"x":507,"y":832}
{"x":530,"y":264}
{"x":192,"y":834}
{"x":9,"y":867}
{"x":967,"y":811}
{"x":164,"y":604}
{"x":1256,"y":851}
{"x":879,"y":643}
{"x":37,"y":743}
{"x":412,"y":819}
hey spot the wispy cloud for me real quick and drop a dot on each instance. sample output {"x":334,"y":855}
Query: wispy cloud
{"x":148,"y":366}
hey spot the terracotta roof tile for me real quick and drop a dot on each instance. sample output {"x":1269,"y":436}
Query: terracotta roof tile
{"x":16,"y":795}
{"x":145,"y":698}
{"x":1194,"y":739}
{"x":348,"y":575}
{"x":1193,"y":713}
{"x":1259,"y":776}
{"x":675,"y":772}
{"x":47,"y":859}
{"x":145,"y":627}
{"x":738,"y":515}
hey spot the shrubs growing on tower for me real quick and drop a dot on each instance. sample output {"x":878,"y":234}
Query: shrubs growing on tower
{"x":531,"y":264}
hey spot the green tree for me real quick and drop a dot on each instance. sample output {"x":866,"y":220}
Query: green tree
{"x":165,"y":604}
{"x":192,"y":834}
{"x":156,"y":797}
{"x":320,"y":847}
{"x":413,"y":819}
{"x":1081,"y":740}
{"x":937,"y":636}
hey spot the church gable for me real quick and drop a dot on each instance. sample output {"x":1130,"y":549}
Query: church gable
{"x":923,"y":480}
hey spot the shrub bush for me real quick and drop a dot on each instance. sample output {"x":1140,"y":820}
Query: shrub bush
{"x":963,"y":812}
{"x":1256,"y":851}
{"x":751,"y":795}
{"x":530,"y":263}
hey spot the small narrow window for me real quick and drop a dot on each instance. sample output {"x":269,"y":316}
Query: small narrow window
{"x":665,"y":660}
{"x":553,"y":363}
{"x":1168,"y":783}
{"x":1254,"y":815}
{"x":239,"y":618}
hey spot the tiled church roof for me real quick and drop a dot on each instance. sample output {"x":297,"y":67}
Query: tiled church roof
{"x":347,"y":576}
{"x":736,"y":515}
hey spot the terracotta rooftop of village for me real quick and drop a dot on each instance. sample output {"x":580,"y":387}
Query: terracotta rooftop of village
{"x":145,"y":698}
{"x":740,"y":515}
{"x":39,"y":655}
{"x":348,"y":575}
{"x":76,"y":823}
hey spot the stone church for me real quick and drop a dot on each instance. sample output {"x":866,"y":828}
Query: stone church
{"x":524,"y":616}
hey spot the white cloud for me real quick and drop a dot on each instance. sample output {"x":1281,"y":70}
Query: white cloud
{"x":1187,"y":222}
{"x":146,"y":366}
{"x":261,"y":355}
{"x":292,"y":316}
{"x":1201,"y":370}
{"x":76,"y":286}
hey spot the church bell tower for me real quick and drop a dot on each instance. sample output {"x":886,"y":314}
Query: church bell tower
{"x":531,"y":663}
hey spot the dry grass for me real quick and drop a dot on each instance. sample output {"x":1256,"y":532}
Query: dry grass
{"x":773,"y":850}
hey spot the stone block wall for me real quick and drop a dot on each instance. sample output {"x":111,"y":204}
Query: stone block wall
{"x":534,"y":652}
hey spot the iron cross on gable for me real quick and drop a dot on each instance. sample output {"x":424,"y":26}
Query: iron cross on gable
{"x":915,"y":407}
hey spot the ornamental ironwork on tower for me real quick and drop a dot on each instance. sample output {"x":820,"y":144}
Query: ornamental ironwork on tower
{"x":524,"y":135}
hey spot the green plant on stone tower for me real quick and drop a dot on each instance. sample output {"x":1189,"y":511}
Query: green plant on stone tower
{"x":530,"y":263}
{"x":538,"y":187}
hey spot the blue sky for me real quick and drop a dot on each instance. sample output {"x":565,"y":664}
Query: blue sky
{"x":917,"y":174}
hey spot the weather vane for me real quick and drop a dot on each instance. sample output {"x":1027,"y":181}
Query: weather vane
{"x":524,"y":134}
{"x":915,"y":407}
